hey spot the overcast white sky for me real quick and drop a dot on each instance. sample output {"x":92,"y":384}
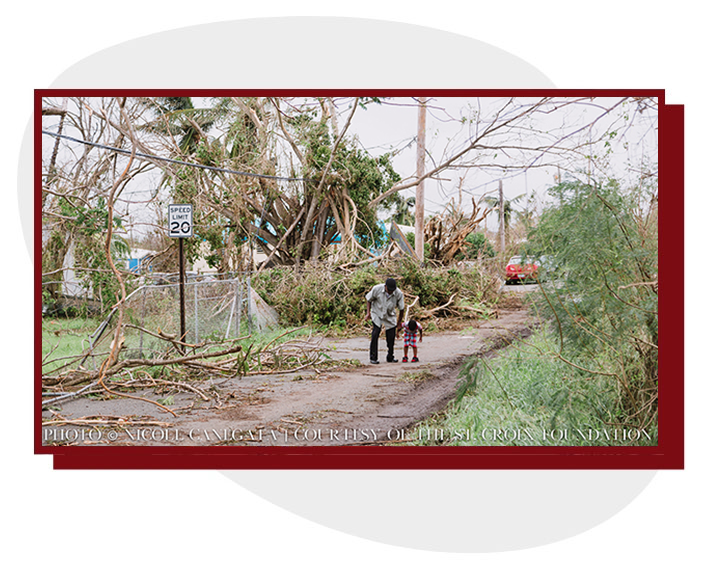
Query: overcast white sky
{"x":393,"y":126}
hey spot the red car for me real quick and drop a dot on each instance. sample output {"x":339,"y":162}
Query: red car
{"x":520,"y":269}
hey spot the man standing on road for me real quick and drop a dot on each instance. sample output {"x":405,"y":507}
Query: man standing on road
{"x":381,"y":304}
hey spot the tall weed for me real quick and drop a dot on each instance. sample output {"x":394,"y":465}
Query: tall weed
{"x":527,"y":397}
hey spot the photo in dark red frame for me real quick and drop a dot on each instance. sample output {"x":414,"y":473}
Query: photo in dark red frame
{"x":667,"y":454}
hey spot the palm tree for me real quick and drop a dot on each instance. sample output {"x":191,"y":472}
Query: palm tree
{"x":177,"y":116}
{"x":493,"y":203}
{"x":526,"y":216}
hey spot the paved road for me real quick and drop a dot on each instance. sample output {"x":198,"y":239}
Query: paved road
{"x":520,"y":288}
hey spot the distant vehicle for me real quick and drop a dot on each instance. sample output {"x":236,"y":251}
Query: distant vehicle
{"x":521,"y":269}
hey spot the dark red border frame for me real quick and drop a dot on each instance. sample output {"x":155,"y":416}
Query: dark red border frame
{"x":668,"y":454}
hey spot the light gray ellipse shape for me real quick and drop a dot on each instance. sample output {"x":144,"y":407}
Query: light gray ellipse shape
{"x":455,"y":511}
{"x":305,"y":53}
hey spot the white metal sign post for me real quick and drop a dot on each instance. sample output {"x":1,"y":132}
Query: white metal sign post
{"x":179,"y":225}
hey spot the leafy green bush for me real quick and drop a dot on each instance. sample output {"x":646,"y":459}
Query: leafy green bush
{"x":477,"y":246}
{"x":604,"y":310}
{"x":410,"y":237}
{"x":317,"y":295}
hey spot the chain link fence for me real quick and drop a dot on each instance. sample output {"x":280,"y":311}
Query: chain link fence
{"x":215,"y":310}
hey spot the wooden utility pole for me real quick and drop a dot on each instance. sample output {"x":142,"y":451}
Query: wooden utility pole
{"x":420,"y":190}
{"x":502,"y":244}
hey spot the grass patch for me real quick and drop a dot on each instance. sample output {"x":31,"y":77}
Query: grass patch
{"x":527,"y":397}
{"x":65,"y":338}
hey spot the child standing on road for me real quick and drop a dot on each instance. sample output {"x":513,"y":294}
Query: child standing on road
{"x":411,"y":329}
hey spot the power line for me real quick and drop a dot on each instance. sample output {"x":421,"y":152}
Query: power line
{"x":172,"y":161}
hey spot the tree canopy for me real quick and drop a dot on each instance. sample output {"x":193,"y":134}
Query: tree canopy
{"x":292,"y":175}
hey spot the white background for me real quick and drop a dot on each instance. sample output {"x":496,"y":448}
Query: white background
{"x":111,"y":519}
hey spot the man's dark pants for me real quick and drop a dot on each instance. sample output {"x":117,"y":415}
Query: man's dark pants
{"x":374,"y":347}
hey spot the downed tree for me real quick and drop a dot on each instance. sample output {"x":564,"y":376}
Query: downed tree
{"x":446,"y":232}
{"x":273,"y":357}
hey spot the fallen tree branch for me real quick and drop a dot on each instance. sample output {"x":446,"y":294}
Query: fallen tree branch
{"x":172,"y":338}
{"x":132,"y":363}
{"x":155,"y":381}
{"x":432,"y":311}
{"x":103,"y":421}
{"x":408,"y":308}
{"x":652,"y":284}
{"x":71,"y":395}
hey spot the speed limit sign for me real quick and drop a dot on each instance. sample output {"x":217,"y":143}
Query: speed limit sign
{"x":179,"y":220}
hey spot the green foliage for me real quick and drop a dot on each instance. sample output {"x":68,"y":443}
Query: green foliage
{"x":410,"y":237}
{"x":87,"y":221}
{"x":237,"y":208}
{"x":64,"y":338}
{"x":527,"y":397}
{"x":364,"y":101}
{"x":436,"y":286}
{"x":354,"y":173}
{"x":316,"y":297}
{"x":605,"y":241}
{"x":366,"y":179}
{"x":477,"y":246}
{"x":89,"y":224}
{"x":402,"y":209}
{"x":493,"y":203}
{"x":178,"y":118}
{"x":242,"y":139}
{"x":209,"y":226}
{"x":469,"y":376}
{"x":320,"y":296}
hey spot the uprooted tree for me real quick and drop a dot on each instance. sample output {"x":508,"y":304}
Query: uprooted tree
{"x":447,"y":233}
{"x":285,"y":175}
{"x":282,"y":176}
